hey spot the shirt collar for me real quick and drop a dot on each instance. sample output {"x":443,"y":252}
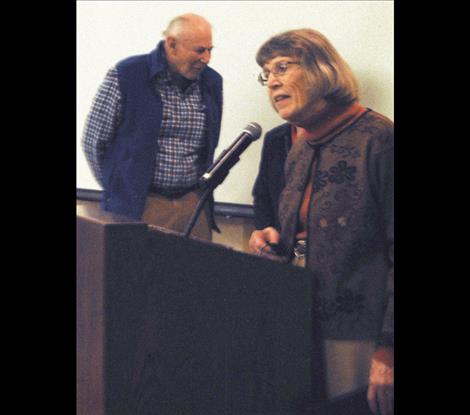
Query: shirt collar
{"x":158,"y":61}
{"x":159,"y":68}
{"x":167,"y":78}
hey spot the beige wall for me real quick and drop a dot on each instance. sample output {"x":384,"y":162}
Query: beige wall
{"x":108,"y":31}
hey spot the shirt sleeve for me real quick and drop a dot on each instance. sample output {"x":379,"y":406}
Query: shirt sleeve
{"x":101,"y":123}
{"x":387,"y":335}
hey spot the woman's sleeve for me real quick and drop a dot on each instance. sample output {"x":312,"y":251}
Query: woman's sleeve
{"x":384,"y":189}
{"x":262,"y":203}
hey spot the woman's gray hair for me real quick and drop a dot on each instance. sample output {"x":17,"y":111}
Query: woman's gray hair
{"x":320,"y":59}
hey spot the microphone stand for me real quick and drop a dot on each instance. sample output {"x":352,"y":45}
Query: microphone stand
{"x":208,"y":189}
{"x":197,"y":212}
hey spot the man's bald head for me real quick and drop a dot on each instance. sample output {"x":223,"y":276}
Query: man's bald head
{"x":188,"y":45}
{"x":185,"y":25}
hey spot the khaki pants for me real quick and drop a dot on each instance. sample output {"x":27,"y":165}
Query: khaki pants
{"x":175,"y":213}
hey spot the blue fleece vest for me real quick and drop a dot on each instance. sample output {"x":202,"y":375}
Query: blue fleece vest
{"x":128,"y":164}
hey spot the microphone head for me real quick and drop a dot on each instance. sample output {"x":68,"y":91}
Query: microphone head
{"x":254,"y":129}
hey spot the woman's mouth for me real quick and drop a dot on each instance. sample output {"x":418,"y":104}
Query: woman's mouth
{"x":279,"y":99}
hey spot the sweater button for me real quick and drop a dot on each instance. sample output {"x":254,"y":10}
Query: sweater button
{"x":342,"y":221}
{"x":323,"y":223}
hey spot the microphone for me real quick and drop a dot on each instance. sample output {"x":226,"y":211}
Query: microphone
{"x":217,"y":172}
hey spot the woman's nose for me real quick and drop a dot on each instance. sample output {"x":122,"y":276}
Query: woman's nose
{"x":272,"y":81}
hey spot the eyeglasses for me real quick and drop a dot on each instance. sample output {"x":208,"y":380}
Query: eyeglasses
{"x":279,"y":69}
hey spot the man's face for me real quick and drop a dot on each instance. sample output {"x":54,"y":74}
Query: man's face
{"x":188,"y":55}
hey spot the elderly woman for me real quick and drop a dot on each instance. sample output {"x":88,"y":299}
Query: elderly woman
{"x":335,"y":210}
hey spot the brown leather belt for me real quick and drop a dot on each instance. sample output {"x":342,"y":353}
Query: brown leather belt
{"x":173,"y":193}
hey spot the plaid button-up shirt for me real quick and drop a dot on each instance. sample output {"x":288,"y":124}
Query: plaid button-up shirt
{"x":182,"y":136}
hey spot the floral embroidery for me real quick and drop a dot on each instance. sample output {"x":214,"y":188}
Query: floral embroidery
{"x":342,"y":172}
{"x":350,"y":303}
{"x":363,"y":129}
{"x":320,"y":181}
{"x":351,"y":193}
{"x":323,"y":223}
{"x":347,"y":151}
{"x":346,"y":302}
{"x":337,"y":174}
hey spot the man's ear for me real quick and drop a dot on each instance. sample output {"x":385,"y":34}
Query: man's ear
{"x":171,"y":44}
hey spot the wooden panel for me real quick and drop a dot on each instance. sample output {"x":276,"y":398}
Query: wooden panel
{"x":224,"y":333}
{"x":100,"y":237}
{"x":235,"y":231}
{"x":170,"y":325}
{"x":90,"y":323}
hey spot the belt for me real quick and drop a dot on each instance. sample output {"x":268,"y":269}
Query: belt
{"x":300,"y":248}
{"x":173,"y":193}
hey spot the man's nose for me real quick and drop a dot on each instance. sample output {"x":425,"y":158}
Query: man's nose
{"x":205,"y":56}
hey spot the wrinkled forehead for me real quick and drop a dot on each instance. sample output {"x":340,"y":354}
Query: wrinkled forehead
{"x":196,"y":33}
{"x":204,"y":42}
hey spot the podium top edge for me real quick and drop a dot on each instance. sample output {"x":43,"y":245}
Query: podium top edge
{"x":94,"y":213}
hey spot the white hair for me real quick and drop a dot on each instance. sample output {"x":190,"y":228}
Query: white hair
{"x":181,"y":23}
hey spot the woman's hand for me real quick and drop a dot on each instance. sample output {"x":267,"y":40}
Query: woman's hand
{"x":260,"y":240}
{"x":381,"y":381}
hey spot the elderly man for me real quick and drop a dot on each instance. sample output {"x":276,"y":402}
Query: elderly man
{"x":153,"y":128}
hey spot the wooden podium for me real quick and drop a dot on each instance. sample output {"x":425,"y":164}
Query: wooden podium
{"x":168,"y":325}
